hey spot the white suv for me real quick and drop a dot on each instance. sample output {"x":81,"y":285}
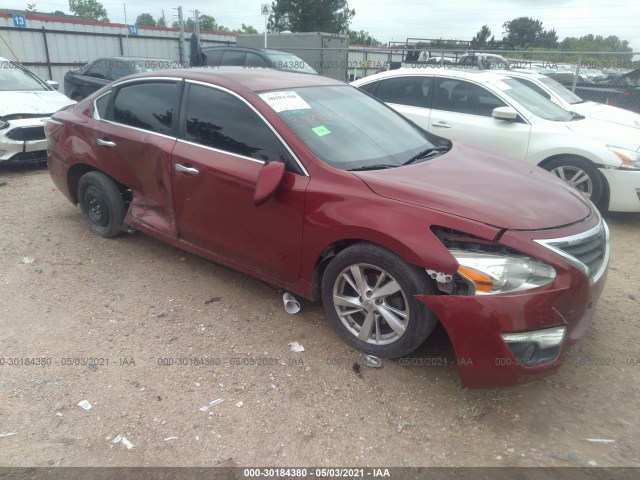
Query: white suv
{"x":26,"y":102}
{"x":500,"y":114}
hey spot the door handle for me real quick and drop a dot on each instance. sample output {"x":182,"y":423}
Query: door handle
{"x":105,"y":143}
{"x":440,"y":125}
{"x":182,"y":168}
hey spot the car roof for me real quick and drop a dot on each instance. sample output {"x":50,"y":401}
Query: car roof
{"x":469,"y":74}
{"x":249,"y":49}
{"x":524,"y":74}
{"x":128,"y":59}
{"x":254,"y":79}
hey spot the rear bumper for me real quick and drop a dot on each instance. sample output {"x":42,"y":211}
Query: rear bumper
{"x":475,"y":324}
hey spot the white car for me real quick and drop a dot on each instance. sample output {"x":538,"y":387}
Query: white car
{"x":568,"y":100}
{"x":500,"y":114}
{"x":26,"y":102}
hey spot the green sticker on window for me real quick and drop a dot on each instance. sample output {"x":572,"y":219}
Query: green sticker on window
{"x":321,"y":131}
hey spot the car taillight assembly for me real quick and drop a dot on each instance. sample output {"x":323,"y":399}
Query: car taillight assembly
{"x":52,"y":126}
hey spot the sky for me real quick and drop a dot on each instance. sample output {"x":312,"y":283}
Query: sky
{"x":388,"y":20}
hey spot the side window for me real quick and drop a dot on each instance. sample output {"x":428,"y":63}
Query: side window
{"x":464,"y":97}
{"x":101,"y":105}
{"x":213,"y":57}
{"x":254,"y":60}
{"x":232,"y":58}
{"x":219,"y":120}
{"x":533,"y":87}
{"x":147,"y":105}
{"x":121,"y":69}
{"x":370,"y":88}
{"x":100,"y":69}
{"x":412,"y":91}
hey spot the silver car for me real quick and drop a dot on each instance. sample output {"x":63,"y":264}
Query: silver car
{"x":26,"y":102}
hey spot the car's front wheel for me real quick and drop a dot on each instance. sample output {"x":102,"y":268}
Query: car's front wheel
{"x":580,"y":174}
{"x":368,"y":293}
{"x":101,"y":204}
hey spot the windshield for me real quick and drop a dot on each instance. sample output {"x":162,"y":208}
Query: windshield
{"x":533,"y":101}
{"x":14,"y":78}
{"x":284,"y":61}
{"x":348,"y":129}
{"x":564,"y":93}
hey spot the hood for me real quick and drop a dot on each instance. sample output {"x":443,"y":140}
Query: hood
{"x":609,"y":113}
{"x":610,"y":133}
{"x":476,"y":185}
{"x":43,"y":102}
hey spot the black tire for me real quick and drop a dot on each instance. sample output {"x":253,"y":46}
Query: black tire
{"x":579,"y":173}
{"x":381,"y":339}
{"x":101,"y":204}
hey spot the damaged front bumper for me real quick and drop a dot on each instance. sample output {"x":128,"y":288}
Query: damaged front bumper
{"x":23,"y":141}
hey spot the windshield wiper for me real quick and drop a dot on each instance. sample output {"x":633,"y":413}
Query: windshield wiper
{"x":380,"y":166}
{"x":426,"y":153}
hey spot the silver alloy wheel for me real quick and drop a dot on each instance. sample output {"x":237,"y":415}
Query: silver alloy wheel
{"x":371,"y":304}
{"x":576,"y":177}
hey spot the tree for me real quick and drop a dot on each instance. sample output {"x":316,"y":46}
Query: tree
{"x":146,"y":19}
{"x":161,"y":22}
{"x":331,"y":16}
{"x":525,"y":32}
{"x":245,"y":29}
{"x":362,"y":38}
{"x":589,"y":43}
{"x":207,"y":22}
{"x":480,"y":40}
{"x":89,"y":9}
{"x":31,"y":8}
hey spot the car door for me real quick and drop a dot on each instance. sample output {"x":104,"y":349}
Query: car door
{"x":223,"y":145}
{"x":95,"y":77}
{"x":461,"y":111}
{"x":134,"y":141}
{"x":409,"y":95}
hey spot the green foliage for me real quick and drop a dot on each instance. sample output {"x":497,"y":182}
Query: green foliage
{"x":146,"y":19}
{"x":358,"y":38}
{"x":89,"y":9}
{"x":482,"y":37}
{"x":31,"y":8}
{"x":330,"y":16}
{"x":525,"y":32}
{"x":246,"y":29}
{"x":207,"y":23}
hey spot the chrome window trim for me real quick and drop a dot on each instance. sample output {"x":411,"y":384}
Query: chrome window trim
{"x":285,"y":144}
{"x":96,"y":115}
{"x":555,"y":244}
{"x":171,"y":137}
{"x":217,"y":150}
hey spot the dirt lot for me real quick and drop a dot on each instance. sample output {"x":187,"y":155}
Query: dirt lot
{"x":136,"y":305}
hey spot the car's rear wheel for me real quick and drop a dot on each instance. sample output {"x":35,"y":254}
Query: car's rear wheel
{"x":368,"y":293}
{"x":101,"y":204}
{"x":580,"y":174}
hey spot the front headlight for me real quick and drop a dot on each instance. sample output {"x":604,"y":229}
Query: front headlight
{"x":491,"y":273}
{"x":630,"y":158}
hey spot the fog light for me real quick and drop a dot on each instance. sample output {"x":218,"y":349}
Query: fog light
{"x":535,"y":348}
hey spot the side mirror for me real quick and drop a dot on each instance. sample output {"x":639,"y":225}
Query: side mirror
{"x":268,"y":181}
{"x":52,"y":83}
{"x":504,"y":113}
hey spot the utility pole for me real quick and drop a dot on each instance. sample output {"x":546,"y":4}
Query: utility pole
{"x":196,"y":22}
{"x":181,"y":36}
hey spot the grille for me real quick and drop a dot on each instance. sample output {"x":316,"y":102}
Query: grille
{"x":28,"y":157}
{"x":589,"y":251}
{"x":26,"y":134}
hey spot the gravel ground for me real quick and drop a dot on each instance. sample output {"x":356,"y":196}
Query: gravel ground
{"x":149,"y":317}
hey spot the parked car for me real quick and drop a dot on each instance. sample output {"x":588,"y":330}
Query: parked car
{"x":309,"y":184}
{"x":26,"y":101}
{"x":483,"y":61}
{"x":562,"y":96}
{"x":232,"y":56}
{"x":502,"y":115}
{"x":82,"y":82}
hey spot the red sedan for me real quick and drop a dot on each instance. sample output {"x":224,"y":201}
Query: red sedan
{"x":309,"y":184}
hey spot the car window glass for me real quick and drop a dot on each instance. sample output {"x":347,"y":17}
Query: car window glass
{"x":222,"y":121}
{"x":232,"y":58}
{"x":412,"y":91}
{"x":100,"y":69}
{"x":101,"y":105}
{"x":213,"y":57}
{"x":147,"y":105}
{"x":460,"y":96}
{"x":121,"y":69}
{"x":533,"y":86}
{"x":254,"y":60}
{"x":369,"y":87}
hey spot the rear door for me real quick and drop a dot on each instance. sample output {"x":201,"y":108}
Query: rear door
{"x":223,"y":145}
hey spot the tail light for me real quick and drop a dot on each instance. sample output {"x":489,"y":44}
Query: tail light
{"x":52,"y":126}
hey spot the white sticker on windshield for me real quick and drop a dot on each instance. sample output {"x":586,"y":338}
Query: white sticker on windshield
{"x":501,"y":85}
{"x":283,"y":101}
